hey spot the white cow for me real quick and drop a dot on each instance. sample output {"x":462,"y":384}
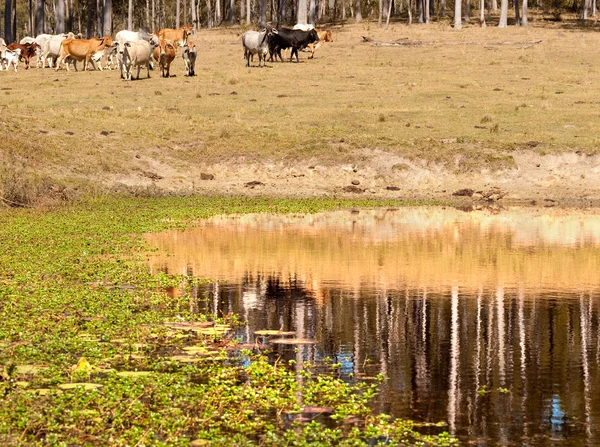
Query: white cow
{"x":136,"y":54}
{"x":52,"y":47}
{"x":11,"y":57}
{"x":26,"y":40}
{"x":41,"y":40}
{"x":304,"y":27}
{"x":125,"y":36}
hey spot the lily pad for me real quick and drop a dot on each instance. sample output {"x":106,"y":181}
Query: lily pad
{"x":22,"y":384}
{"x":214,"y":331}
{"x":199,"y":442}
{"x":84,"y":385}
{"x":185,"y":358}
{"x":267,"y":332}
{"x":293,"y":341}
{"x":189,"y":326}
{"x":199,"y":350}
{"x":133,"y":373}
{"x":46,"y":391}
{"x":317,"y":410}
{"x":29,"y":369}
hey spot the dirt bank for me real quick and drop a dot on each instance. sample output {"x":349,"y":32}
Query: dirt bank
{"x":568,"y":179}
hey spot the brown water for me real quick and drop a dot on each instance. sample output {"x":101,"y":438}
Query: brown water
{"x":487,"y":320}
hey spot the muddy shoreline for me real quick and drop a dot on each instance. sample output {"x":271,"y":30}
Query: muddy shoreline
{"x":567,"y":180}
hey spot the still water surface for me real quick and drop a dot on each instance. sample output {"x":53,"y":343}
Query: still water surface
{"x":485,"y":319}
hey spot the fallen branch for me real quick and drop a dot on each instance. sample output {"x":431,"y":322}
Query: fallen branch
{"x":438,"y":43}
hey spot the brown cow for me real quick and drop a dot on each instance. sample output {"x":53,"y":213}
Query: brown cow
{"x":81,"y":50}
{"x":164,"y":54}
{"x":27,"y":51}
{"x":177,"y":36}
{"x":324,"y":36}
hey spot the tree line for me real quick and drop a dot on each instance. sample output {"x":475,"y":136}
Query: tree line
{"x":99,"y":17}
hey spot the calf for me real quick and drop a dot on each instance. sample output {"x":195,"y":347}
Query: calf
{"x":287,"y":38}
{"x":110,"y":53}
{"x":164,"y":54}
{"x":324,"y":36}
{"x":27,"y":51}
{"x":189,"y":57}
{"x":255,"y":42}
{"x":10,"y":57}
{"x":136,"y":54}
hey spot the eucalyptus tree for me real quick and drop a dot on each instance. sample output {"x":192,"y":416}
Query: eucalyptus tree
{"x":457,"y":14}
{"x":312,"y":12}
{"x":524,"y":18}
{"x":358,"y":15}
{"x":107,"y":16}
{"x":40,"y":16}
{"x":177,"y":13}
{"x":60,"y":16}
{"x":130,"y":15}
{"x":503,"y":14}
{"x":301,"y":13}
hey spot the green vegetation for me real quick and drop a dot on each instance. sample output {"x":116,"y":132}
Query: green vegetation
{"x":94,"y":352}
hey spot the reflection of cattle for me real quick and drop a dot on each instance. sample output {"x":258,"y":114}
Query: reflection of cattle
{"x":81,"y":50}
{"x":10,"y":57}
{"x":177,"y":36}
{"x":189,"y":57}
{"x":324,"y":36}
{"x":136,"y":54}
{"x":287,"y":38}
{"x":164,"y":54}
{"x":255,"y":42}
{"x":27,"y":51}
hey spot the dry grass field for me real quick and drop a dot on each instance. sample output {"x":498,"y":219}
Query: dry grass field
{"x":458,"y":111}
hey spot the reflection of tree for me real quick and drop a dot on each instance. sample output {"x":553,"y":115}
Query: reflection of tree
{"x":447,"y":354}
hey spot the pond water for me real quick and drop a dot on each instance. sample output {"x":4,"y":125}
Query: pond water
{"x":485,"y":319}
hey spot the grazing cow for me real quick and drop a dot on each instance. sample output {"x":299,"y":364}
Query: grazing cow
{"x":51,"y":48}
{"x":136,"y":54}
{"x":81,"y":50}
{"x":27,"y":51}
{"x":287,"y":38}
{"x":10,"y":57}
{"x":164,"y":54}
{"x":324,"y":36}
{"x":255,"y":42}
{"x":189,"y":57}
{"x":177,"y":36}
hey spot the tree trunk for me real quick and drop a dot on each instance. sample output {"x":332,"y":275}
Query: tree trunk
{"x":420,"y":11}
{"x":218,"y":11}
{"x":503,"y":14}
{"x":177,"y":13}
{"x":468,"y":11}
{"x":194,"y":17}
{"x":409,"y":9}
{"x":517,"y":14}
{"x":249,"y":11}
{"x":60,"y":16}
{"x":8,"y":27}
{"x":312,"y":15}
{"x":69,"y":5}
{"x":90,"y":18}
{"x":427,"y":10}
{"x":185,"y":12}
{"x":389,"y":13}
{"x":301,"y":13}
{"x":494,"y":5}
{"x":243,"y":10}
{"x":107,"y":18}
{"x":153,"y":19}
{"x":231,"y":12}
{"x":31,"y":14}
{"x":482,"y":13}
{"x":380,"y":18}
{"x":130,"y":16}
{"x":443,"y":8}
{"x":99,"y":17}
{"x":209,"y":22}
{"x":457,"y":13}
{"x":40,"y":19}
{"x":586,"y":8}
{"x":343,"y":10}
{"x":358,"y":15}
{"x":524,"y":18}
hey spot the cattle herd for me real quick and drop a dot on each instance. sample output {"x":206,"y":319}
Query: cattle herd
{"x":130,"y":50}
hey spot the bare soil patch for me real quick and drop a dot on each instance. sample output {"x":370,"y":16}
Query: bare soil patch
{"x":457,"y":111}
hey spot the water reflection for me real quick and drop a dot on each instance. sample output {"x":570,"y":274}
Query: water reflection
{"x":486,"y":320}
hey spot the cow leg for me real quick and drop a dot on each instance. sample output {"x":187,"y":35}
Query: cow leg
{"x":148,"y":68}
{"x":139,"y":67}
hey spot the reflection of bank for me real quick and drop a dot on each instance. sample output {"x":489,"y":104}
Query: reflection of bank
{"x":423,"y":247}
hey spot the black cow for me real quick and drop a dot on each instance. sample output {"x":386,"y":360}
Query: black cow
{"x":295,"y":39}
